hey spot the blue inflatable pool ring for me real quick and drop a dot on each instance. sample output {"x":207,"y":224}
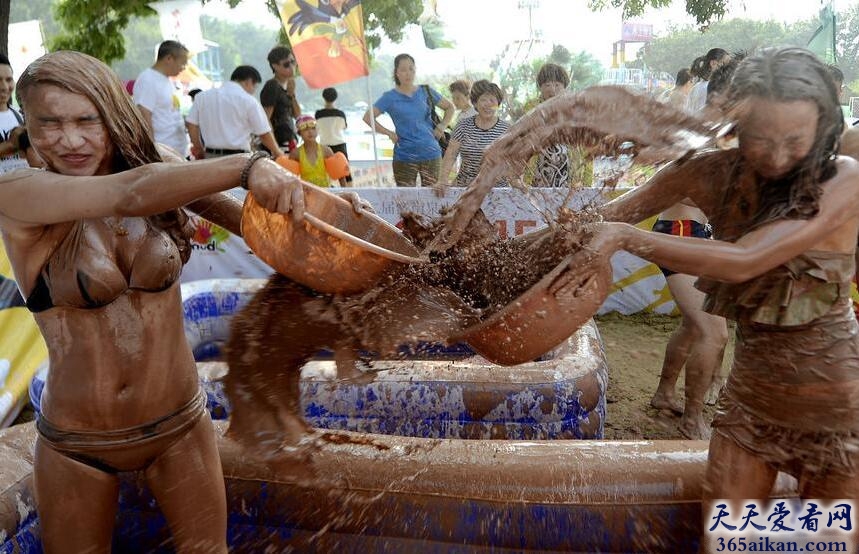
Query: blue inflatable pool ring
{"x":430,"y":390}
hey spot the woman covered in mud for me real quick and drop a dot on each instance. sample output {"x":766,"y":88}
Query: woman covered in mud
{"x":785,"y":210}
{"x":97,"y":243}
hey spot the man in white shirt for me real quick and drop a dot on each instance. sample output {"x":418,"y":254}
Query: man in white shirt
{"x":226,"y":117}
{"x":157,"y":99}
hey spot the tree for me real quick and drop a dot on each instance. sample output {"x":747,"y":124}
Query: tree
{"x":97,"y":26}
{"x":35,"y":9}
{"x":846,"y":45}
{"x":5,"y":10}
{"x":520,"y":82}
{"x":704,"y":11}
{"x":680,"y":46}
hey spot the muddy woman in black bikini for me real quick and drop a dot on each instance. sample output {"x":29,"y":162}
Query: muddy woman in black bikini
{"x":97,"y":242}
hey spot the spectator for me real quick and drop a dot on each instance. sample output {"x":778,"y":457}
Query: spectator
{"x":330,"y":123}
{"x":278,"y":97}
{"x":415,"y":138}
{"x":702,"y":68}
{"x":12,"y":156}
{"x":460,"y":94}
{"x":156,"y":96}
{"x":553,"y":167}
{"x":679,"y":96}
{"x":228,"y":116}
{"x":474,"y":134}
{"x":311,"y":155}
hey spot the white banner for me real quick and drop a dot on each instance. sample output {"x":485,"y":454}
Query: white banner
{"x":25,"y":44}
{"x":180,"y":21}
{"x":638,"y":285}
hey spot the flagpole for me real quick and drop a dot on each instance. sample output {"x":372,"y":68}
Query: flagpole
{"x":373,"y":127}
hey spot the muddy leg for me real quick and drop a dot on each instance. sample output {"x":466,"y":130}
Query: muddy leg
{"x":709,"y":334}
{"x":732,"y":474}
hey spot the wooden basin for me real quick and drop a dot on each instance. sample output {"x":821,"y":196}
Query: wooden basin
{"x":334,"y":250}
{"x":545,"y":315}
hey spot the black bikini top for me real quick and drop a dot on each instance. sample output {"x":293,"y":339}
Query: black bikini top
{"x":100,"y":259}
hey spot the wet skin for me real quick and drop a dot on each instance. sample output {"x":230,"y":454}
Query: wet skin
{"x":774,"y":136}
{"x":125,"y":363}
{"x":69,"y":133}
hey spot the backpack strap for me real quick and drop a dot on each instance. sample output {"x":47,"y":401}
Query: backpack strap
{"x":17,"y":115}
{"x":434,"y":117}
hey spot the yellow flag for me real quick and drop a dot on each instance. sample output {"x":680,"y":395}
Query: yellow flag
{"x":327,"y":38}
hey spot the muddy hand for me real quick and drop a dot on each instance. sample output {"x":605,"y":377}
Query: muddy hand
{"x":276,"y":189}
{"x":589,"y":262}
{"x":359,"y":205}
{"x":581,"y":269}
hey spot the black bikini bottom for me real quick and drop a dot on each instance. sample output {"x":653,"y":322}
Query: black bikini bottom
{"x":129,"y":449}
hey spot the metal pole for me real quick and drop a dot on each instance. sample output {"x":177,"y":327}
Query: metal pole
{"x":373,"y":126}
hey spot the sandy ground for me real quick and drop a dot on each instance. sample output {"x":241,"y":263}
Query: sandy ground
{"x":634,"y":347}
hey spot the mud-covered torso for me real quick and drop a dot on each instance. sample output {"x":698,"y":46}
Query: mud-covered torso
{"x":794,"y":293}
{"x":796,"y":360}
{"x":111,"y":315}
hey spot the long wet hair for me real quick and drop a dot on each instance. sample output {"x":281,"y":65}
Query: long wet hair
{"x":789,"y":74}
{"x":133,"y":143}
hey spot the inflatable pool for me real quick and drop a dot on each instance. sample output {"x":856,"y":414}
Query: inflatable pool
{"x":382,"y":493}
{"x":438,"y":392}
{"x":434,"y":391}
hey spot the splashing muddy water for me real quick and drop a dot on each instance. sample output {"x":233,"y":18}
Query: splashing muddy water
{"x":602,"y":121}
{"x":474,"y":282}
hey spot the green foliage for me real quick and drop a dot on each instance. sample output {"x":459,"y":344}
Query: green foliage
{"x":389,"y":17}
{"x":97,"y":26}
{"x":35,"y":9}
{"x":142,"y":37}
{"x":846,"y":45}
{"x":240,"y":44}
{"x":520,"y":82}
{"x":681,"y":45}
{"x":704,"y":11}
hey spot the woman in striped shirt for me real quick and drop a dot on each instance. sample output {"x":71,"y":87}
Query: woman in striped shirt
{"x":473,"y":135}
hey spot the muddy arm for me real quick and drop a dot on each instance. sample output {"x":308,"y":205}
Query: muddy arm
{"x":670,"y":185}
{"x":834,"y":228}
{"x":221,"y":209}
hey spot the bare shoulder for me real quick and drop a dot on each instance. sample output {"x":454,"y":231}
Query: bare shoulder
{"x":841,"y":192}
{"x":846,"y":178}
{"x":698,"y":172}
{"x":850,"y":142}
